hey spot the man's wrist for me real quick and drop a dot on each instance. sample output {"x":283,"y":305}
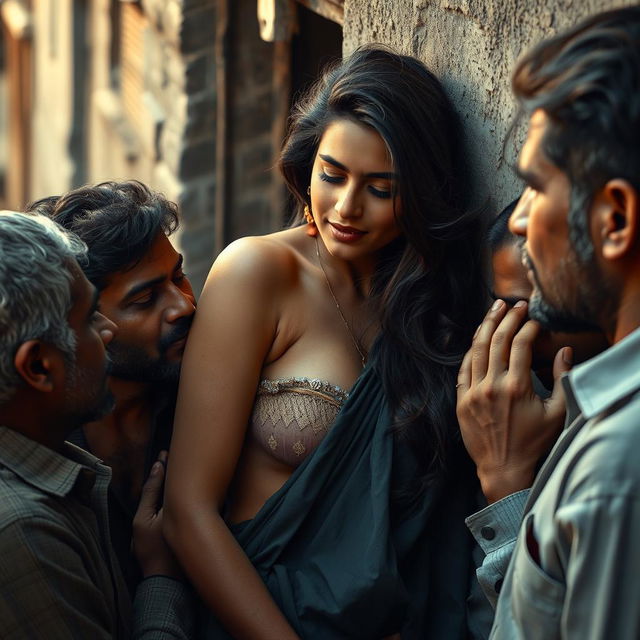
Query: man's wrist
{"x":499,"y":483}
{"x":166,"y":569}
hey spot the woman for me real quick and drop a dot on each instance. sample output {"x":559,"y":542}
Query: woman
{"x":287,"y":520}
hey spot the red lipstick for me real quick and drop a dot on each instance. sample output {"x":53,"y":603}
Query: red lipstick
{"x":345,"y":234}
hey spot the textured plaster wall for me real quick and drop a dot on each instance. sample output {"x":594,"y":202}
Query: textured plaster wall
{"x":472,"y":46}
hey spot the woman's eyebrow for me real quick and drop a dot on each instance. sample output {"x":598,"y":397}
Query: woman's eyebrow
{"x":385,"y":175}
{"x":333,"y":161}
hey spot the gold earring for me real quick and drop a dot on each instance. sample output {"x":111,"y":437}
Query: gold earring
{"x":312,"y":230}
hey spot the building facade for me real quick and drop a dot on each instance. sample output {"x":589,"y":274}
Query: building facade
{"x":192,"y":96}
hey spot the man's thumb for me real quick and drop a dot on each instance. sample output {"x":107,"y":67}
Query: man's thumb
{"x":152,"y":489}
{"x":561,"y":365}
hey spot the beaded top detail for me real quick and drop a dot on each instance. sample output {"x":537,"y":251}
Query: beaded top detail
{"x":291,"y":416}
{"x":313,"y":384}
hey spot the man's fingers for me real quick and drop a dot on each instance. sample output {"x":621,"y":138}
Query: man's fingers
{"x":152,"y":489}
{"x":482,"y":341}
{"x":561,"y":364}
{"x":464,"y":375}
{"x":502,"y":339}
{"x":521,"y":353}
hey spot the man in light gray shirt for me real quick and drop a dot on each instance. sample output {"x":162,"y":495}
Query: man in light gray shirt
{"x":574,"y":569}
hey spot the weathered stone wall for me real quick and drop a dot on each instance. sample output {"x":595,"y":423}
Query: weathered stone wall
{"x":182,"y":38}
{"x":168,"y":140}
{"x":128,"y":90}
{"x":472,"y":46}
{"x":250,"y":120}
{"x":163,"y":133}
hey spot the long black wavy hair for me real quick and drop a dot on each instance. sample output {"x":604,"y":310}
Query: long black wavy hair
{"x":428,"y":288}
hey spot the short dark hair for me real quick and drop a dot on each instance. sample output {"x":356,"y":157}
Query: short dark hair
{"x":118,"y":221}
{"x":587,"y":81}
{"x":498,"y":233}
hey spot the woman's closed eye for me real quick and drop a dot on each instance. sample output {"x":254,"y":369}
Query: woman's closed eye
{"x":380,"y":192}
{"x":332,"y":178}
{"x":376,"y":190}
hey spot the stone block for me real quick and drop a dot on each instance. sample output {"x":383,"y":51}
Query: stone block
{"x":197,"y":270}
{"x":196,"y":243}
{"x":255,"y":159}
{"x":201,"y":117}
{"x":197,"y":159}
{"x":252,"y":66}
{"x":197,"y":4}
{"x":195,"y":200}
{"x":251,"y":217}
{"x":198,"y":239}
{"x":200,"y":73}
{"x":253,"y":118}
{"x":198,"y":29}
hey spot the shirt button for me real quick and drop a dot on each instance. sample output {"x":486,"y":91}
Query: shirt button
{"x":498,"y":585}
{"x":488,"y":533}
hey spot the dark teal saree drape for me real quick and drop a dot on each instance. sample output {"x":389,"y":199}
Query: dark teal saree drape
{"x":340,"y":560}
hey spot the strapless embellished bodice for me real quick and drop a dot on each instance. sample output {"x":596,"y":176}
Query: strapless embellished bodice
{"x":291,"y":416}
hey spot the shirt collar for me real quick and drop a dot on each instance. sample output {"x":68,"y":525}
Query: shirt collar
{"x":51,"y":472}
{"x":602,"y":381}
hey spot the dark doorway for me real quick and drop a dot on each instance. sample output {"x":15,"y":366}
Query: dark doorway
{"x":317,"y":43}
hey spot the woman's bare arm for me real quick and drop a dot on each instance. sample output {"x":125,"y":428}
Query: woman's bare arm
{"x":233,"y":332}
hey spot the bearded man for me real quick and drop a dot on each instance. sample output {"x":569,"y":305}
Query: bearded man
{"x":143,"y":289}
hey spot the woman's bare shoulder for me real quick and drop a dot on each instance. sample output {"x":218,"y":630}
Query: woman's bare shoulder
{"x":260,"y":261}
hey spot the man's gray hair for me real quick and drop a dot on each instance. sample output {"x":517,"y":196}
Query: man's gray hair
{"x":36,"y":257}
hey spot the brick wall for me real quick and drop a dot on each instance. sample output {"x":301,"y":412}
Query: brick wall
{"x":161,"y":127}
{"x":146,"y":73}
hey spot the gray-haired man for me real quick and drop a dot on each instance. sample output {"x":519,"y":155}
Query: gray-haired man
{"x":59,"y":577}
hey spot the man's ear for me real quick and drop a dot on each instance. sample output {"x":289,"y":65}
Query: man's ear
{"x":37,"y":364}
{"x":616,"y":218}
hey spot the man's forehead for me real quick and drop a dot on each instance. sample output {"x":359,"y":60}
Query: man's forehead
{"x":532,"y":154}
{"x":160,"y":260}
{"x":83,"y":292}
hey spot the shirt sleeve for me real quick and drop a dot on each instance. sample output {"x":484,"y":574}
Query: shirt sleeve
{"x":602,"y":585}
{"x":495,"y":529}
{"x":46,"y":589}
{"x":163,"y":608}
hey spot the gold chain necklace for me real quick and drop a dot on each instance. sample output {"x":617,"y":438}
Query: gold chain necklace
{"x":363,"y":358}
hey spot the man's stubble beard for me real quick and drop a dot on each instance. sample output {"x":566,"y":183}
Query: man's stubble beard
{"x":576,"y":301}
{"x":135,"y":364}
{"x":131,"y":363}
{"x":99,"y":404}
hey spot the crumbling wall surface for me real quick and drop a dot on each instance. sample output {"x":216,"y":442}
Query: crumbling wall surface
{"x":472,"y":46}
{"x":153,"y":108}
